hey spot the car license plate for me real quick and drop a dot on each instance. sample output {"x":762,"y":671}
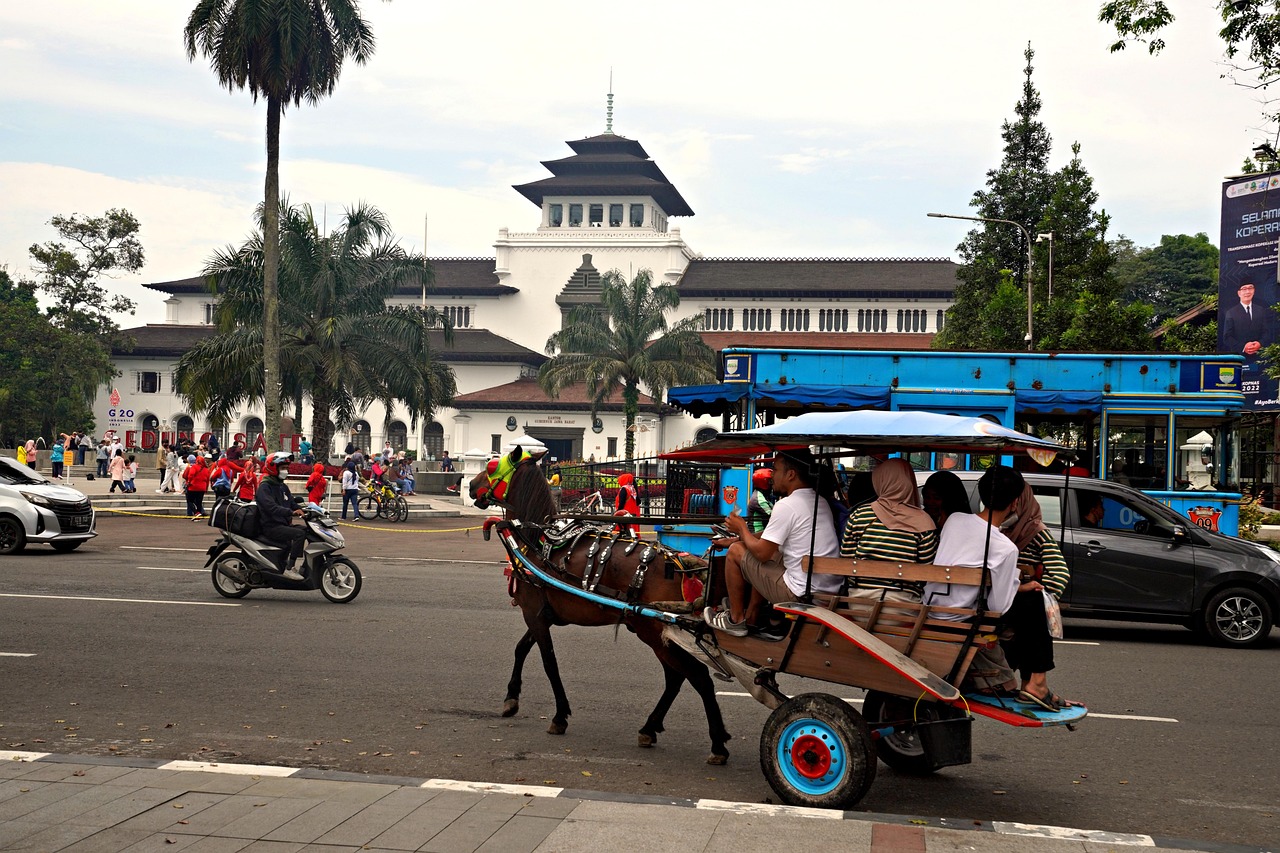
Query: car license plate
{"x":80,"y":520}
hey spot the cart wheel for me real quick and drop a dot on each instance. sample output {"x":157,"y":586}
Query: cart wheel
{"x":902,"y":750}
{"x":816,"y":751}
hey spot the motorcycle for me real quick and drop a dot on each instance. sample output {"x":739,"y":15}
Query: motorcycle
{"x":242,"y":563}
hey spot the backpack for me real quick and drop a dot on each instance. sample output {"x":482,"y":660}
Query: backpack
{"x":222,"y":483}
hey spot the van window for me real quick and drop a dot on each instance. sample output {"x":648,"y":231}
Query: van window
{"x":1050,"y":505}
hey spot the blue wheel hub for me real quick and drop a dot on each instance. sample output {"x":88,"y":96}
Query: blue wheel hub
{"x":812,"y":757}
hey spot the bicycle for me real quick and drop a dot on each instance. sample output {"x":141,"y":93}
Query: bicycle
{"x":382,"y":501}
{"x":592,"y":504}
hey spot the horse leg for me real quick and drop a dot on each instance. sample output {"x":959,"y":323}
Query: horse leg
{"x":542,"y":636}
{"x":653,"y":725}
{"x":511,"y":704}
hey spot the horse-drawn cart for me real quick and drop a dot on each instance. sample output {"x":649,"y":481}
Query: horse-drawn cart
{"x":911,"y":657}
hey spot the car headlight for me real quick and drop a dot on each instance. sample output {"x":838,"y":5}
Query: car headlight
{"x":1270,"y":553}
{"x":38,"y":500}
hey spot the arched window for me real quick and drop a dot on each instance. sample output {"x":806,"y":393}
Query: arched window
{"x":252,"y":429}
{"x":398,"y":435}
{"x":942,"y":318}
{"x":184,"y":425}
{"x":150,"y":423}
{"x":705,"y":434}
{"x":433,"y":441}
{"x":361,"y":435}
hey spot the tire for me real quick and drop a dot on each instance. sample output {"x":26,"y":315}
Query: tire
{"x":230,"y":587}
{"x":66,"y":546}
{"x":902,"y":750}
{"x":369,"y":507}
{"x":13,"y":538}
{"x":387,"y":509}
{"x":1237,"y":616}
{"x":402,"y":509}
{"x":816,"y":751}
{"x":340,"y":581}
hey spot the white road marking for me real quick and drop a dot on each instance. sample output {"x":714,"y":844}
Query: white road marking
{"x":17,"y":654}
{"x":1215,"y":804}
{"x":13,"y":755}
{"x":768,"y":809}
{"x":170,"y":569}
{"x":234,"y":769}
{"x":494,"y":788}
{"x":1068,"y":834}
{"x":122,"y":600}
{"x":436,"y":560}
{"x":1075,"y":643}
{"x":157,"y":548}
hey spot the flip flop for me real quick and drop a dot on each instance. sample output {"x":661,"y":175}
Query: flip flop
{"x":1064,"y":703}
{"x":1045,"y":701}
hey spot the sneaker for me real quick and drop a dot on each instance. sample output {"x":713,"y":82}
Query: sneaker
{"x":292,"y":574}
{"x":159,"y":491}
{"x":721,"y":621}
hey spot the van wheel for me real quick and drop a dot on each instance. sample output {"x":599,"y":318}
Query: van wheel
{"x":1238,"y":616}
{"x":12,"y":537}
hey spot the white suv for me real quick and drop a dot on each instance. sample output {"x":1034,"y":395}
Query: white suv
{"x":35,"y":509}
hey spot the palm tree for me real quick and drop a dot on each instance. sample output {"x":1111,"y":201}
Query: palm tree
{"x":286,"y":51}
{"x":626,"y":343}
{"x":341,"y":344}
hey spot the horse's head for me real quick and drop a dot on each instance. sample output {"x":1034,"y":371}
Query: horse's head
{"x":513,"y":481}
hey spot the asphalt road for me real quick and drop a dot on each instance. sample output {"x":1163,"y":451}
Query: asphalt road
{"x":133,"y":653}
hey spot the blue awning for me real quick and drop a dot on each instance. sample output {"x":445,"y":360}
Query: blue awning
{"x":1062,"y":402}
{"x":720,"y":398}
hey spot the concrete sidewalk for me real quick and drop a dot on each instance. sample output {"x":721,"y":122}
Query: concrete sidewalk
{"x":102,"y":804}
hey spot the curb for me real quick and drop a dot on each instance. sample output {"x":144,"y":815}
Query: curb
{"x":549,"y":791}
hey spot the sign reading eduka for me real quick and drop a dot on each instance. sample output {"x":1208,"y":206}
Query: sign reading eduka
{"x":1247,"y":289}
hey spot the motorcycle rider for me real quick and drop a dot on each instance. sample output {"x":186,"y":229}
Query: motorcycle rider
{"x":276,"y":511}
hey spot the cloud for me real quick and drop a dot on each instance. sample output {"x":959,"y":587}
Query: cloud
{"x":808,"y":160}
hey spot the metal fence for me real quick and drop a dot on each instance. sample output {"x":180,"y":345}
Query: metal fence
{"x":664,"y":488}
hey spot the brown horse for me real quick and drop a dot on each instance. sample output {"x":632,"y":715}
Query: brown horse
{"x":528,"y":500}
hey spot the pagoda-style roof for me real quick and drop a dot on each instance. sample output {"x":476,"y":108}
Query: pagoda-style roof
{"x":848,"y":278}
{"x":607,"y":166}
{"x":454,"y":277}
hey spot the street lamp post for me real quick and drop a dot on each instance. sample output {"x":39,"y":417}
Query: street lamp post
{"x":1025,"y":233}
{"x":1040,"y":238}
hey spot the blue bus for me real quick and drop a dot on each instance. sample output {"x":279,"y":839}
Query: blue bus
{"x":1164,"y":424}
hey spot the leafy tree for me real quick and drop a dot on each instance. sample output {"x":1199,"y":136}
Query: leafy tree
{"x":1172,"y":277}
{"x":626,"y":343}
{"x":342,"y":345}
{"x":1192,"y":337}
{"x":286,"y":51}
{"x":48,"y":384}
{"x":1018,"y":190}
{"x":93,"y":248}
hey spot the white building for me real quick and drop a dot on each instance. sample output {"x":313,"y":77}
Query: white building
{"x":606,"y":207}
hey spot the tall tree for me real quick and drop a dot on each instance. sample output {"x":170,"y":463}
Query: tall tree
{"x":625,"y":344}
{"x":286,"y":51}
{"x":1171,"y":277}
{"x":343,"y":346}
{"x":71,"y":271}
{"x":1019,"y":191}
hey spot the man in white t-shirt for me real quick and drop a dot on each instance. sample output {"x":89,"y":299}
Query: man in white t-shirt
{"x":966,"y":539}
{"x":770,"y":566}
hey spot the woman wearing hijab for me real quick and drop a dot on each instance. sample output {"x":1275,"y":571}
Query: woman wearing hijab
{"x":892,"y":527}
{"x":1042,"y":567}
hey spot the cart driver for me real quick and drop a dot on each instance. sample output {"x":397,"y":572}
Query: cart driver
{"x":770,"y":566}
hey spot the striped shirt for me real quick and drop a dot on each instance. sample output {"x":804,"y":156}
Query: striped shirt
{"x":867,"y":538}
{"x":1044,"y":551}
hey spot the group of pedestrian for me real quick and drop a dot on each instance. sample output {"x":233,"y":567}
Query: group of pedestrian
{"x":385,"y":468}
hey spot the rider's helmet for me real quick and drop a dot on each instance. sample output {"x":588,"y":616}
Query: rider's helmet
{"x":281,"y":459}
{"x":762,"y":479}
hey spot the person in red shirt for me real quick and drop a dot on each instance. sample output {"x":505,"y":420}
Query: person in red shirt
{"x":247,"y":483}
{"x":317,"y":484}
{"x":197,"y":480}
{"x":625,"y":503}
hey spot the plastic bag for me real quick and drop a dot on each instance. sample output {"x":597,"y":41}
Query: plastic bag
{"x":1053,"y":614}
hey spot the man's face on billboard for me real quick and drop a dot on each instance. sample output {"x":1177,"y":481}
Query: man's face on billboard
{"x":1246,"y":293}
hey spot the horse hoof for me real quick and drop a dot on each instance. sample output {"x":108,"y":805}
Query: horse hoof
{"x":647,"y":741}
{"x":718,"y":760}
{"x":510,"y":707}
{"x":557,"y":728}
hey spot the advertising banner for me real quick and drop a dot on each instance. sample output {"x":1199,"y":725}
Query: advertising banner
{"x":1247,"y":291}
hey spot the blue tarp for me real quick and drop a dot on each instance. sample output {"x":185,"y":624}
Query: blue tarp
{"x":719,"y":398}
{"x":1069,"y":402}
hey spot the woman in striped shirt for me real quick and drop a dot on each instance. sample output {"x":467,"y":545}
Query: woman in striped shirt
{"x":1040,"y":560}
{"x":892,"y":527}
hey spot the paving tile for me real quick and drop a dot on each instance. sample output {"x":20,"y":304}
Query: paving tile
{"x":53,"y":771}
{"x":951,"y":841}
{"x":599,"y":825}
{"x":467,"y":833}
{"x":738,"y":832}
{"x":194,"y":780}
{"x":557,"y":807}
{"x":97,"y":774}
{"x":522,"y":834}
{"x":267,"y":815}
{"x":11,"y":831}
{"x":14,"y":787}
{"x":314,"y":822}
{"x":143,"y":777}
{"x":370,"y":822}
{"x":416,"y":829}
{"x":50,"y":839}
{"x":211,"y":821}
{"x":37,"y":797}
{"x":218,"y":845}
{"x":109,"y":840}
{"x":320,"y":789}
{"x":182,"y":806}
{"x":272,"y":847}
{"x":82,"y":801}
{"x":122,"y":809}
{"x":500,"y":804}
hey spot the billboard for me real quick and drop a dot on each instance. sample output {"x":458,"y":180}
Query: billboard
{"x":1247,"y":289}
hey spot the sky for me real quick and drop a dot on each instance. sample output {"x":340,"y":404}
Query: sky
{"x":812,"y":129}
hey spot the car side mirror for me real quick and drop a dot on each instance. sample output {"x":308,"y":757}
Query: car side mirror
{"x":1180,"y":535}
